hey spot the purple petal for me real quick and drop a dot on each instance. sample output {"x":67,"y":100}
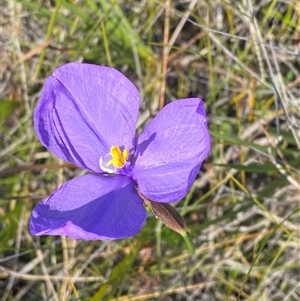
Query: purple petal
{"x":91,"y":207}
{"x":85,"y":109}
{"x":171,"y":149}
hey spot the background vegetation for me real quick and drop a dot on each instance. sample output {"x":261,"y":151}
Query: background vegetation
{"x":242,"y":58}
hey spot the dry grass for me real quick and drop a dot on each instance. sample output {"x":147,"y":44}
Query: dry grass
{"x":243,"y":59}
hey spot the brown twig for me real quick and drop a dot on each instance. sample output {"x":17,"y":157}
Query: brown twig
{"x":15,"y":170}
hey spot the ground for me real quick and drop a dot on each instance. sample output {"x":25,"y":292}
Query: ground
{"x":242,"y":58}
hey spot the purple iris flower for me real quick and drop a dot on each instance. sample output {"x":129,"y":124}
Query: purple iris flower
{"x":87,"y":115}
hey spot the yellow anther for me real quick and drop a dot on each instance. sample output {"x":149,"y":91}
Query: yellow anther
{"x":118,"y":158}
{"x":125,"y":154}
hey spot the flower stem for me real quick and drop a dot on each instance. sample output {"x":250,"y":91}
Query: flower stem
{"x":188,"y":242}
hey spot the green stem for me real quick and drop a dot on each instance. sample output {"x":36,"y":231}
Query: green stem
{"x":48,"y":35}
{"x":189,"y":242}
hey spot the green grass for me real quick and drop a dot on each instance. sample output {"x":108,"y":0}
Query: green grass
{"x":243,"y":209}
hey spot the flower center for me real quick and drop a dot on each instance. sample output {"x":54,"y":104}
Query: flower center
{"x":114,"y":160}
{"x":118,"y":158}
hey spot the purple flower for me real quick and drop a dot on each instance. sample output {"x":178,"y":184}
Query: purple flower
{"x":87,"y":115}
